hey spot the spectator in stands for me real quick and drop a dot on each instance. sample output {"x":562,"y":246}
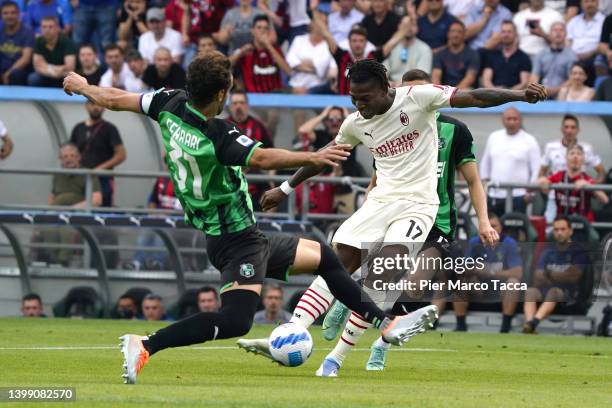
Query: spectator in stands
{"x":502,"y":262}
{"x":152,"y":308}
{"x":201,"y":17}
{"x":88,"y":64}
{"x":557,"y":276}
{"x":54,"y":56}
{"x":16,"y":43}
{"x":7,"y":142}
{"x":357,"y":40}
{"x":605,"y":40}
{"x":341,"y":21}
{"x":576,"y":201}
{"x":381,"y":23}
{"x":272,"y":299}
{"x":533,"y":25}
{"x":508,"y":67}
{"x":456,"y":64}
{"x":410,"y":53}
{"x":260,"y":63}
{"x":173,"y":13}
{"x":71,"y":189}
{"x":164,"y":73}
{"x":296,"y":12}
{"x":101,"y":147}
{"x":206,"y":44}
{"x":604,"y":90}
{"x":311,"y":62}
{"x":511,"y":155}
{"x":137,"y":65}
{"x":484,"y":24}
{"x":94,"y":16}
{"x":159,"y":35}
{"x":551,"y":67}
{"x":118,"y":74}
{"x":39,"y":9}
{"x":575,"y":89}
{"x":584,"y":31}
{"x":126,"y":307}
{"x":208,"y":299}
{"x":434,"y":26}
{"x":31,"y":306}
{"x":132,"y":23}
{"x":236,"y":26}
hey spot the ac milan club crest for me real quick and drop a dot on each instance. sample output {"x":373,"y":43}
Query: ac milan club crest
{"x":404,"y":118}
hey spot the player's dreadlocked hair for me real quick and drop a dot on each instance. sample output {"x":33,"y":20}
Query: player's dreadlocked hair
{"x":206,"y":76}
{"x":366,"y":70}
{"x":416,"y":75}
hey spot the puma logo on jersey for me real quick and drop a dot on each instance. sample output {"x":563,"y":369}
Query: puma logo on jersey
{"x":369,"y":135}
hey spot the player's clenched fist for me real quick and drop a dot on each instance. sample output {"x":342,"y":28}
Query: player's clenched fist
{"x":535,"y":93}
{"x":330,"y":155}
{"x":74,"y":83}
{"x":271,"y":199}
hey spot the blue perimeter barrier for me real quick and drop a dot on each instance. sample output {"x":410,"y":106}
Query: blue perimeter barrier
{"x":276,"y":100}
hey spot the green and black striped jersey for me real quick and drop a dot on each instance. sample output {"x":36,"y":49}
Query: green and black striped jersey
{"x":455,"y":147}
{"x":204,"y":157}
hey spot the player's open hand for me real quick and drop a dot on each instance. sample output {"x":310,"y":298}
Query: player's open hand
{"x":271,"y":199}
{"x":331,"y":155}
{"x":535,"y":93}
{"x":74,"y":83}
{"x":488,"y":236}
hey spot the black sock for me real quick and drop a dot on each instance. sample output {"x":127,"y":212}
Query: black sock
{"x":506,"y":323}
{"x":534,"y":322}
{"x":461,"y":323}
{"x":234,"y":319}
{"x":346,"y":290}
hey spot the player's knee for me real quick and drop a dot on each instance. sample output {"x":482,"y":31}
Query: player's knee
{"x":239,"y":322}
{"x":238,"y":309}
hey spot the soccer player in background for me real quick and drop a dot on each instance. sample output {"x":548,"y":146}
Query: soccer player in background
{"x":204,"y":156}
{"x":399,"y":127}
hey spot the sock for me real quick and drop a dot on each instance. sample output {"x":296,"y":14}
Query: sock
{"x":234,"y":319}
{"x":506,"y":323}
{"x":354,"y":329}
{"x":314,"y":302}
{"x":347,"y":291}
{"x":381,"y":343}
{"x":461,"y":323}
{"x":534,"y":322}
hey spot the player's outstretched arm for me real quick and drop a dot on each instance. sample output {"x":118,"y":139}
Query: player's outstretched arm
{"x":270,"y":159}
{"x":485,"y":97}
{"x":110,"y":98}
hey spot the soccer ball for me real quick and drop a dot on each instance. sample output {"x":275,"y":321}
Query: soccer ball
{"x":290,"y":344}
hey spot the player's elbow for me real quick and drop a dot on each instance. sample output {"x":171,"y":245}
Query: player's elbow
{"x":261,"y":159}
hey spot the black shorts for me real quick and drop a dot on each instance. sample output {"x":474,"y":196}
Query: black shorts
{"x":439,"y":240}
{"x":249,"y":256}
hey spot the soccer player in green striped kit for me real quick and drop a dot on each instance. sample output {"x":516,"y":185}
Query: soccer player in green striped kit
{"x":204,"y":157}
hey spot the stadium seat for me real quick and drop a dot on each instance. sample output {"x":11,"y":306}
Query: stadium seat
{"x":80,"y":301}
{"x":187,"y":305}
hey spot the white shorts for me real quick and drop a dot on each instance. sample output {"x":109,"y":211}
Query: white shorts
{"x":400,"y":221}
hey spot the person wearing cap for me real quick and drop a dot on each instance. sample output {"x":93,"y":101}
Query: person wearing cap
{"x":159,"y":35}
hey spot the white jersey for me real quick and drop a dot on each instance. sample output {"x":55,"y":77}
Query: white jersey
{"x":555,"y":156}
{"x":404,"y":143}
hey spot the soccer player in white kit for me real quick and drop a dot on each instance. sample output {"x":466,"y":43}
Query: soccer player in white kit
{"x":398,"y":126}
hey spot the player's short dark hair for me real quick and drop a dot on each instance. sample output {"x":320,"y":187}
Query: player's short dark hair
{"x":208,"y":289}
{"x":563,"y":218}
{"x":569,"y":116}
{"x":260,"y":17}
{"x":359,"y":30}
{"x":112,"y":47}
{"x":368,"y":70}
{"x":207,"y":75}
{"x":416,"y":75}
{"x":240,"y":92}
{"x":9,"y":3}
{"x":492,"y":215}
{"x":31,"y":296}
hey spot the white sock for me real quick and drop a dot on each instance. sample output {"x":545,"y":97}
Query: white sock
{"x":381,"y":343}
{"x":313,"y":303}
{"x":354,"y":329}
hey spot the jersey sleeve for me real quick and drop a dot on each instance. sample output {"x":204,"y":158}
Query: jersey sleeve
{"x":432,"y":97}
{"x":152,"y":103}
{"x":346,"y":134}
{"x":463,"y":146}
{"x":232,"y":147}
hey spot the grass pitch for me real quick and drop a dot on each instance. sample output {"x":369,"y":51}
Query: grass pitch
{"x":436,"y":369}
